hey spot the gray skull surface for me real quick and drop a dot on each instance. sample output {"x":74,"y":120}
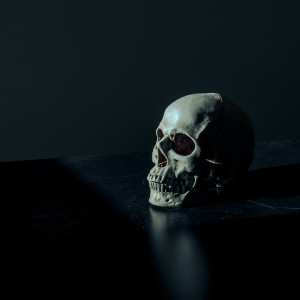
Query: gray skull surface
{"x":203,"y":141}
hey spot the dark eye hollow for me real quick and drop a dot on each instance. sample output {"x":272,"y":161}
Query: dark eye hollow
{"x":159,"y":134}
{"x":183,"y":145}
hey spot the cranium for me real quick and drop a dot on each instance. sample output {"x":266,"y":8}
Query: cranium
{"x":204,"y":141}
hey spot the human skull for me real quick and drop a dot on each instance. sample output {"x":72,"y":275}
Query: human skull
{"x":204,"y":141}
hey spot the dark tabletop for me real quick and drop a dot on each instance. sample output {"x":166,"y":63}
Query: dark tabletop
{"x":82,"y":226}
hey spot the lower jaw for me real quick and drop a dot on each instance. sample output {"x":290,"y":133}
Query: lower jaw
{"x":166,"y":199}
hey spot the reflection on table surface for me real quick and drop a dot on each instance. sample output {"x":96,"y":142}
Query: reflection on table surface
{"x":179,"y":257}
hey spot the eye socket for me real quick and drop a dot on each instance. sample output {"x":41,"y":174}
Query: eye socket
{"x":183,"y":145}
{"x":159,"y":134}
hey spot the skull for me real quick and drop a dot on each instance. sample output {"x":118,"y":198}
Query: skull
{"x":204,"y":142}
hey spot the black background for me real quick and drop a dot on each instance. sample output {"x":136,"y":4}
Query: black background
{"x":94,"y":77}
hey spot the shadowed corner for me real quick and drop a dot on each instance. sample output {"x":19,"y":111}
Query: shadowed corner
{"x":67,"y":233}
{"x":43,"y":201}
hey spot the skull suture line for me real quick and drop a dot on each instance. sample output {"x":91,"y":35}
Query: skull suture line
{"x":203,"y":141}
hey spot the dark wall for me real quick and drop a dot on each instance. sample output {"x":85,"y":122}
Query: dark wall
{"x":92,"y":77}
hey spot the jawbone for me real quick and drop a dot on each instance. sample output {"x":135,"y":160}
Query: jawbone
{"x":168,"y":194}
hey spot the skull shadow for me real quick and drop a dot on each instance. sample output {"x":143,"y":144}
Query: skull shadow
{"x":274,"y":182}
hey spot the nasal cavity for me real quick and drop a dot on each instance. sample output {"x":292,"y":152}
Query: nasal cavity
{"x":161,"y":159}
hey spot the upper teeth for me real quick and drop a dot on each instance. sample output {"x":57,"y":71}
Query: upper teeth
{"x":166,"y":184}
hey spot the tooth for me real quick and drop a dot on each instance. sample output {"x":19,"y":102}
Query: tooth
{"x":176,"y":189}
{"x":184,"y":175}
{"x":186,"y":182}
{"x":171,"y":181}
{"x":162,"y":178}
{"x":161,"y":187}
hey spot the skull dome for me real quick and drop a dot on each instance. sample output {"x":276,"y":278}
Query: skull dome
{"x":203,"y":141}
